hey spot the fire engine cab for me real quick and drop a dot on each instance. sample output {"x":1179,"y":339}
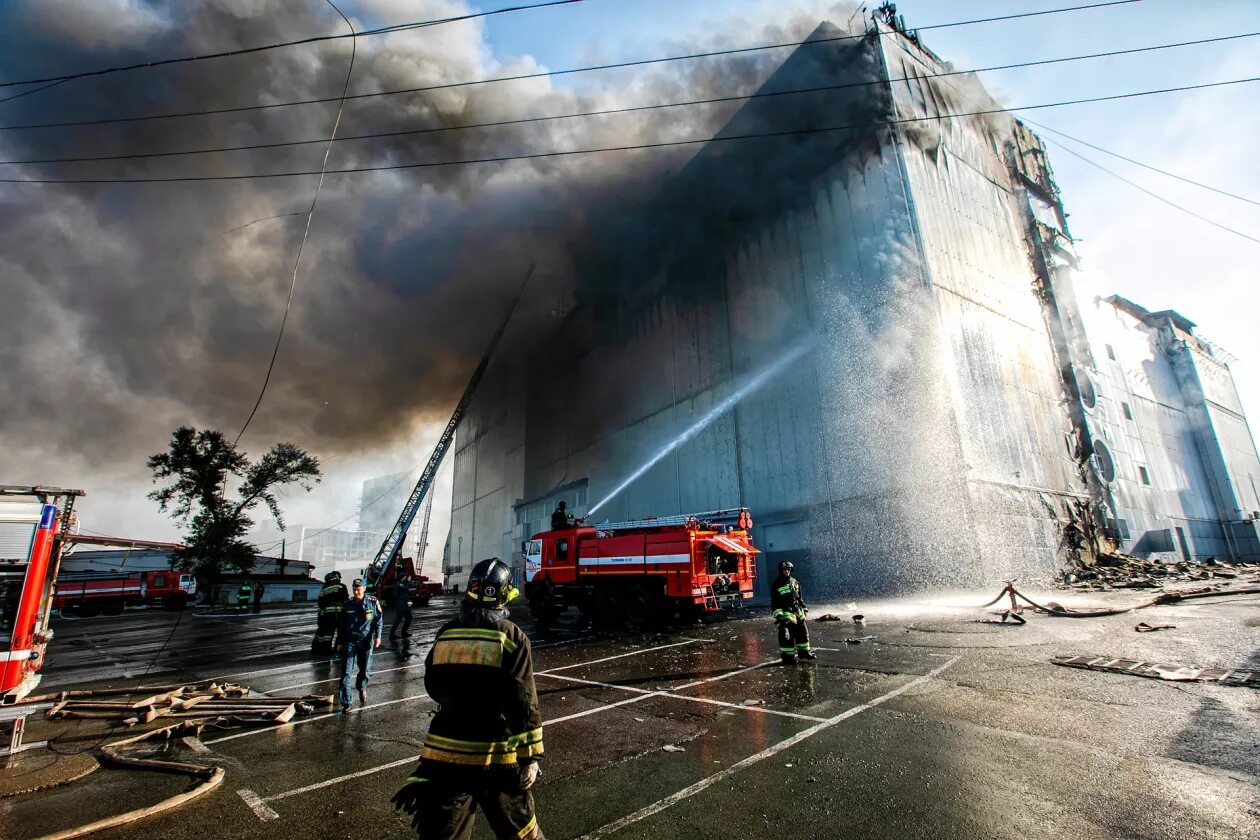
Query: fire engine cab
{"x":637,"y":571}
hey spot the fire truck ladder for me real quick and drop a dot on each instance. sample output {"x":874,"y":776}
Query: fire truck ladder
{"x":393,"y":542}
{"x":723,"y":517}
{"x":424,"y":536}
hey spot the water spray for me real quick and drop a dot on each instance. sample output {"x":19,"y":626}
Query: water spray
{"x":754,"y":383}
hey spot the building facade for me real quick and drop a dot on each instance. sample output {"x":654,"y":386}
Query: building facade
{"x":893,"y":287}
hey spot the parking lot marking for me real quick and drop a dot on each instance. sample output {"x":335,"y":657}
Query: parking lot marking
{"x":314,"y":718}
{"x":620,"y":656}
{"x":256,"y":804}
{"x":670,"y":693}
{"x":337,"y":781}
{"x":787,"y":743}
{"x":640,"y":695}
{"x":338,"y":678}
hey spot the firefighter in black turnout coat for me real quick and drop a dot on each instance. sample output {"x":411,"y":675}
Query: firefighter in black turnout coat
{"x":485,"y":742}
{"x":789,"y":613}
{"x":331,"y":598}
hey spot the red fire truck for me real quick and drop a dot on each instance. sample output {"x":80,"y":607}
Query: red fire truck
{"x":422,"y":587}
{"x":645,"y":569}
{"x":89,"y":593}
{"x":33,"y":524}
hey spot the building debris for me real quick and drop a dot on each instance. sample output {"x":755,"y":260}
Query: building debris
{"x":672,"y":748}
{"x":1153,"y":670}
{"x":212,"y":703}
{"x":1124,"y":571}
{"x":1143,"y":627}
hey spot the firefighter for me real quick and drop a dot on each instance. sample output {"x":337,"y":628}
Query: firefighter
{"x":485,"y":742}
{"x":243,"y":595}
{"x":402,"y":602}
{"x":560,"y":518}
{"x":331,"y":598}
{"x":360,"y":634}
{"x":789,"y":613}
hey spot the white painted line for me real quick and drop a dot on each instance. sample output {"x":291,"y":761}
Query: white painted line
{"x":644,"y":695}
{"x":709,"y":781}
{"x":194,"y":743}
{"x":257,"y":805}
{"x":729,"y":674}
{"x":314,"y":718}
{"x":619,"y":656}
{"x":667,"y":693}
{"x":413,"y":759}
{"x":601,"y":684}
{"x":337,"y":679}
{"x":759,"y":709}
{"x":338,"y":780}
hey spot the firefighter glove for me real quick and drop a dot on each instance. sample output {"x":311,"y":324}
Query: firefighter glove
{"x":408,"y":799}
{"x":530,"y":771}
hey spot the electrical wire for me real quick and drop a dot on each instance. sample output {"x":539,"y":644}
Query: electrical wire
{"x":390,"y":167}
{"x":631,"y":109}
{"x":552,"y":73}
{"x":1174,"y":175}
{"x":306,"y":231}
{"x":1154,"y":195}
{"x":312,"y":40}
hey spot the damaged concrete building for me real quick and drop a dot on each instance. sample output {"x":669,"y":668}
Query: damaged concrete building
{"x":945,"y":418}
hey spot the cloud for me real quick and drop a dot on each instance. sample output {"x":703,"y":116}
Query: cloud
{"x":132,"y":309}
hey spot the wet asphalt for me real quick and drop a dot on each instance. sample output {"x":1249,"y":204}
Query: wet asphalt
{"x":942,"y":726}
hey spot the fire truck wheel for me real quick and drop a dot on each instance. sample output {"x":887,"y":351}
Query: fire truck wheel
{"x":608,"y":609}
{"x":636,"y":604}
{"x":542,"y":603}
{"x":175,"y":603}
{"x":112,"y":607}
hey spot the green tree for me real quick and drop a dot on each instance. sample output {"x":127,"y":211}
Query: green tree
{"x":196,"y":469}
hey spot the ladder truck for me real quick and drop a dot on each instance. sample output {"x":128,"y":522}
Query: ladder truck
{"x":34,"y":524}
{"x":381,"y":570}
{"x":639,"y":571}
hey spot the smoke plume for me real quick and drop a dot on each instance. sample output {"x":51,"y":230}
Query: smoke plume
{"x":131,"y":309}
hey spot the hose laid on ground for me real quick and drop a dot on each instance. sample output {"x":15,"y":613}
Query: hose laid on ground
{"x":1163,"y":598}
{"x":209,"y":778}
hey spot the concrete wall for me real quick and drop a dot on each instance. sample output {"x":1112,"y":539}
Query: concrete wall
{"x":1184,"y":461}
{"x":918,"y":442}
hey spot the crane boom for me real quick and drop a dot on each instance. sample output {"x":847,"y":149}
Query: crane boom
{"x":389,"y":548}
{"x":424,"y":534}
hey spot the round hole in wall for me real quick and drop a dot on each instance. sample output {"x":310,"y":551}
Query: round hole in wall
{"x":1103,"y":462}
{"x":1089,"y":394}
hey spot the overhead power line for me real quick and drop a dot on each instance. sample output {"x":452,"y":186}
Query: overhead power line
{"x":400,"y":27}
{"x":306,"y":231}
{"x":543,"y":73}
{"x":628,"y":147}
{"x":1165,"y":172}
{"x":1154,"y":195}
{"x":627,"y":110}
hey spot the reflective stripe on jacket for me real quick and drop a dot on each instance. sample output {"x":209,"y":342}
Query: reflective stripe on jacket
{"x":481,"y":672}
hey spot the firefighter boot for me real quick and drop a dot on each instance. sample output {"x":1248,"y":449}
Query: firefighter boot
{"x":806,"y":654}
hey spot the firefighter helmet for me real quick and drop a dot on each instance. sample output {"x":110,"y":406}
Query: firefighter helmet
{"x":490,"y":584}
{"x":332,"y":577}
{"x":785,"y":566}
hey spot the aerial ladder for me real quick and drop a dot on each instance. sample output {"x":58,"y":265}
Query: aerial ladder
{"x":393,"y":542}
{"x":424,"y":535}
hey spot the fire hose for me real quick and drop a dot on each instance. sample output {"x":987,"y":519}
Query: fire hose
{"x":1061,"y":611}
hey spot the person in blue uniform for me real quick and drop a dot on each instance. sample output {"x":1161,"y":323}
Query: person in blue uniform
{"x":360,"y":635}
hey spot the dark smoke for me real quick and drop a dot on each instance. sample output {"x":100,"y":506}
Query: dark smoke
{"x":129,"y":310}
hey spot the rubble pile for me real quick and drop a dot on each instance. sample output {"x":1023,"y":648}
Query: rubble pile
{"x":1124,"y":571}
{"x":212,"y":703}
